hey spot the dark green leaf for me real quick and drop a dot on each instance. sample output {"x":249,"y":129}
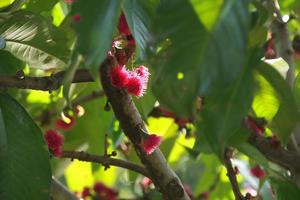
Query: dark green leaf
{"x":139,"y":18}
{"x":287,"y":116}
{"x":196,"y":55}
{"x":95,"y":29}
{"x":220,"y":117}
{"x":9,"y":64}
{"x":284,"y":189}
{"x":30,"y":38}
{"x":25,"y":169}
{"x":38,"y":7}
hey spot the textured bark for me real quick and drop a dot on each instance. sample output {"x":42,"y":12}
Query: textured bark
{"x":163,"y":177}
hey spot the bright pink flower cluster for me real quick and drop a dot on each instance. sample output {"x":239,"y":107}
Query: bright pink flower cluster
{"x":134,"y":81}
{"x":150,"y":143}
{"x":54,"y":141}
{"x":105,"y":192}
{"x":257,"y":172}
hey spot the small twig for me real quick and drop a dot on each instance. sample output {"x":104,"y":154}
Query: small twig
{"x":45,"y":83}
{"x":232,"y":175}
{"x":82,"y":156}
{"x":87,"y":98}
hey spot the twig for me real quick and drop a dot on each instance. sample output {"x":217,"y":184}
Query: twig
{"x":163,"y":177}
{"x":45,"y":83}
{"x":232,"y":175}
{"x":283,"y":157}
{"x":87,"y":98}
{"x":61,"y":192}
{"x":82,"y":156}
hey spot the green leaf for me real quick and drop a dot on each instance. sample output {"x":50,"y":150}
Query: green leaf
{"x":30,"y":38}
{"x":296,"y":90}
{"x":25,"y":168}
{"x":38,"y":7}
{"x":284,"y":189}
{"x":196,"y":54}
{"x":266,"y":102}
{"x":139,"y":16}
{"x":96,"y":28}
{"x":222,"y":115}
{"x":287,"y":115}
{"x":9,"y":64}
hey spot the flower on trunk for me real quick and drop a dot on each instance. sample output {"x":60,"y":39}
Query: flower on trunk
{"x":119,"y":77}
{"x":257,"y":172}
{"x":150,"y":143}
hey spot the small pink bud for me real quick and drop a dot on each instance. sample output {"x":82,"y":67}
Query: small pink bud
{"x":151,"y":143}
{"x":123,"y":25}
{"x":85,"y":192}
{"x":76,"y":18}
{"x":69,"y":1}
{"x":257,"y":172}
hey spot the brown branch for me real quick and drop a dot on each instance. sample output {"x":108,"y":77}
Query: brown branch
{"x":283,"y":157}
{"x":232,"y":175}
{"x":82,"y":156}
{"x":45,"y":83}
{"x":163,"y":177}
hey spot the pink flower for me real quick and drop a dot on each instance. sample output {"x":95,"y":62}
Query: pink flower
{"x":54,"y":141}
{"x":85,"y":192}
{"x":119,"y":77}
{"x":76,"y":18}
{"x":143,"y":72}
{"x":135,"y":85}
{"x":188,"y":190}
{"x":257,"y":172}
{"x":151,"y":143}
{"x":105,"y":192}
{"x":123,"y":25}
{"x":69,"y":1}
{"x":63,"y":125}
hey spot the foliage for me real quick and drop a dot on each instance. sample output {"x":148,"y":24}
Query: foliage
{"x":209,"y":75}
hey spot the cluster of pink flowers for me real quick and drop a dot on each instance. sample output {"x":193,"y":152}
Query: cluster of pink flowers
{"x":134,"y":81}
{"x":54,"y":141}
{"x":101,"y":191}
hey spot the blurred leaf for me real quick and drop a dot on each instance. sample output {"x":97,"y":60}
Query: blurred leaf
{"x":9,"y":64}
{"x":98,"y":21}
{"x":296,"y":90}
{"x":38,"y":7}
{"x":266,"y":102}
{"x":30,"y":38}
{"x":287,"y":116}
{"x":25,"y":169}
{"x":219,"y":117}
{"x":205,"y":67}
{"x":284,"y":189}
{"x":253,"y":153}
{"x":139,"y":18}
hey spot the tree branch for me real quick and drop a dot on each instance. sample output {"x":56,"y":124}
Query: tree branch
{"x":45,"y":83}
{"x":232,"y":175}
{"x":163,"y":177}
{"x":82,"y":156}
{"x":283,"y":157}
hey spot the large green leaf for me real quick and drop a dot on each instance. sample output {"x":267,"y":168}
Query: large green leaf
{"x":38,"y":7}
{"x":287,"y":115}
{"x":196,"y":54}
{"x":9,"y":64}
{"x":30,"y":38}
{"x":139,"y":16}
{"x":284,"y":189}
{"x":25,"y":169}
{"x":95,"y":29}
{"x":222,"y":115}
